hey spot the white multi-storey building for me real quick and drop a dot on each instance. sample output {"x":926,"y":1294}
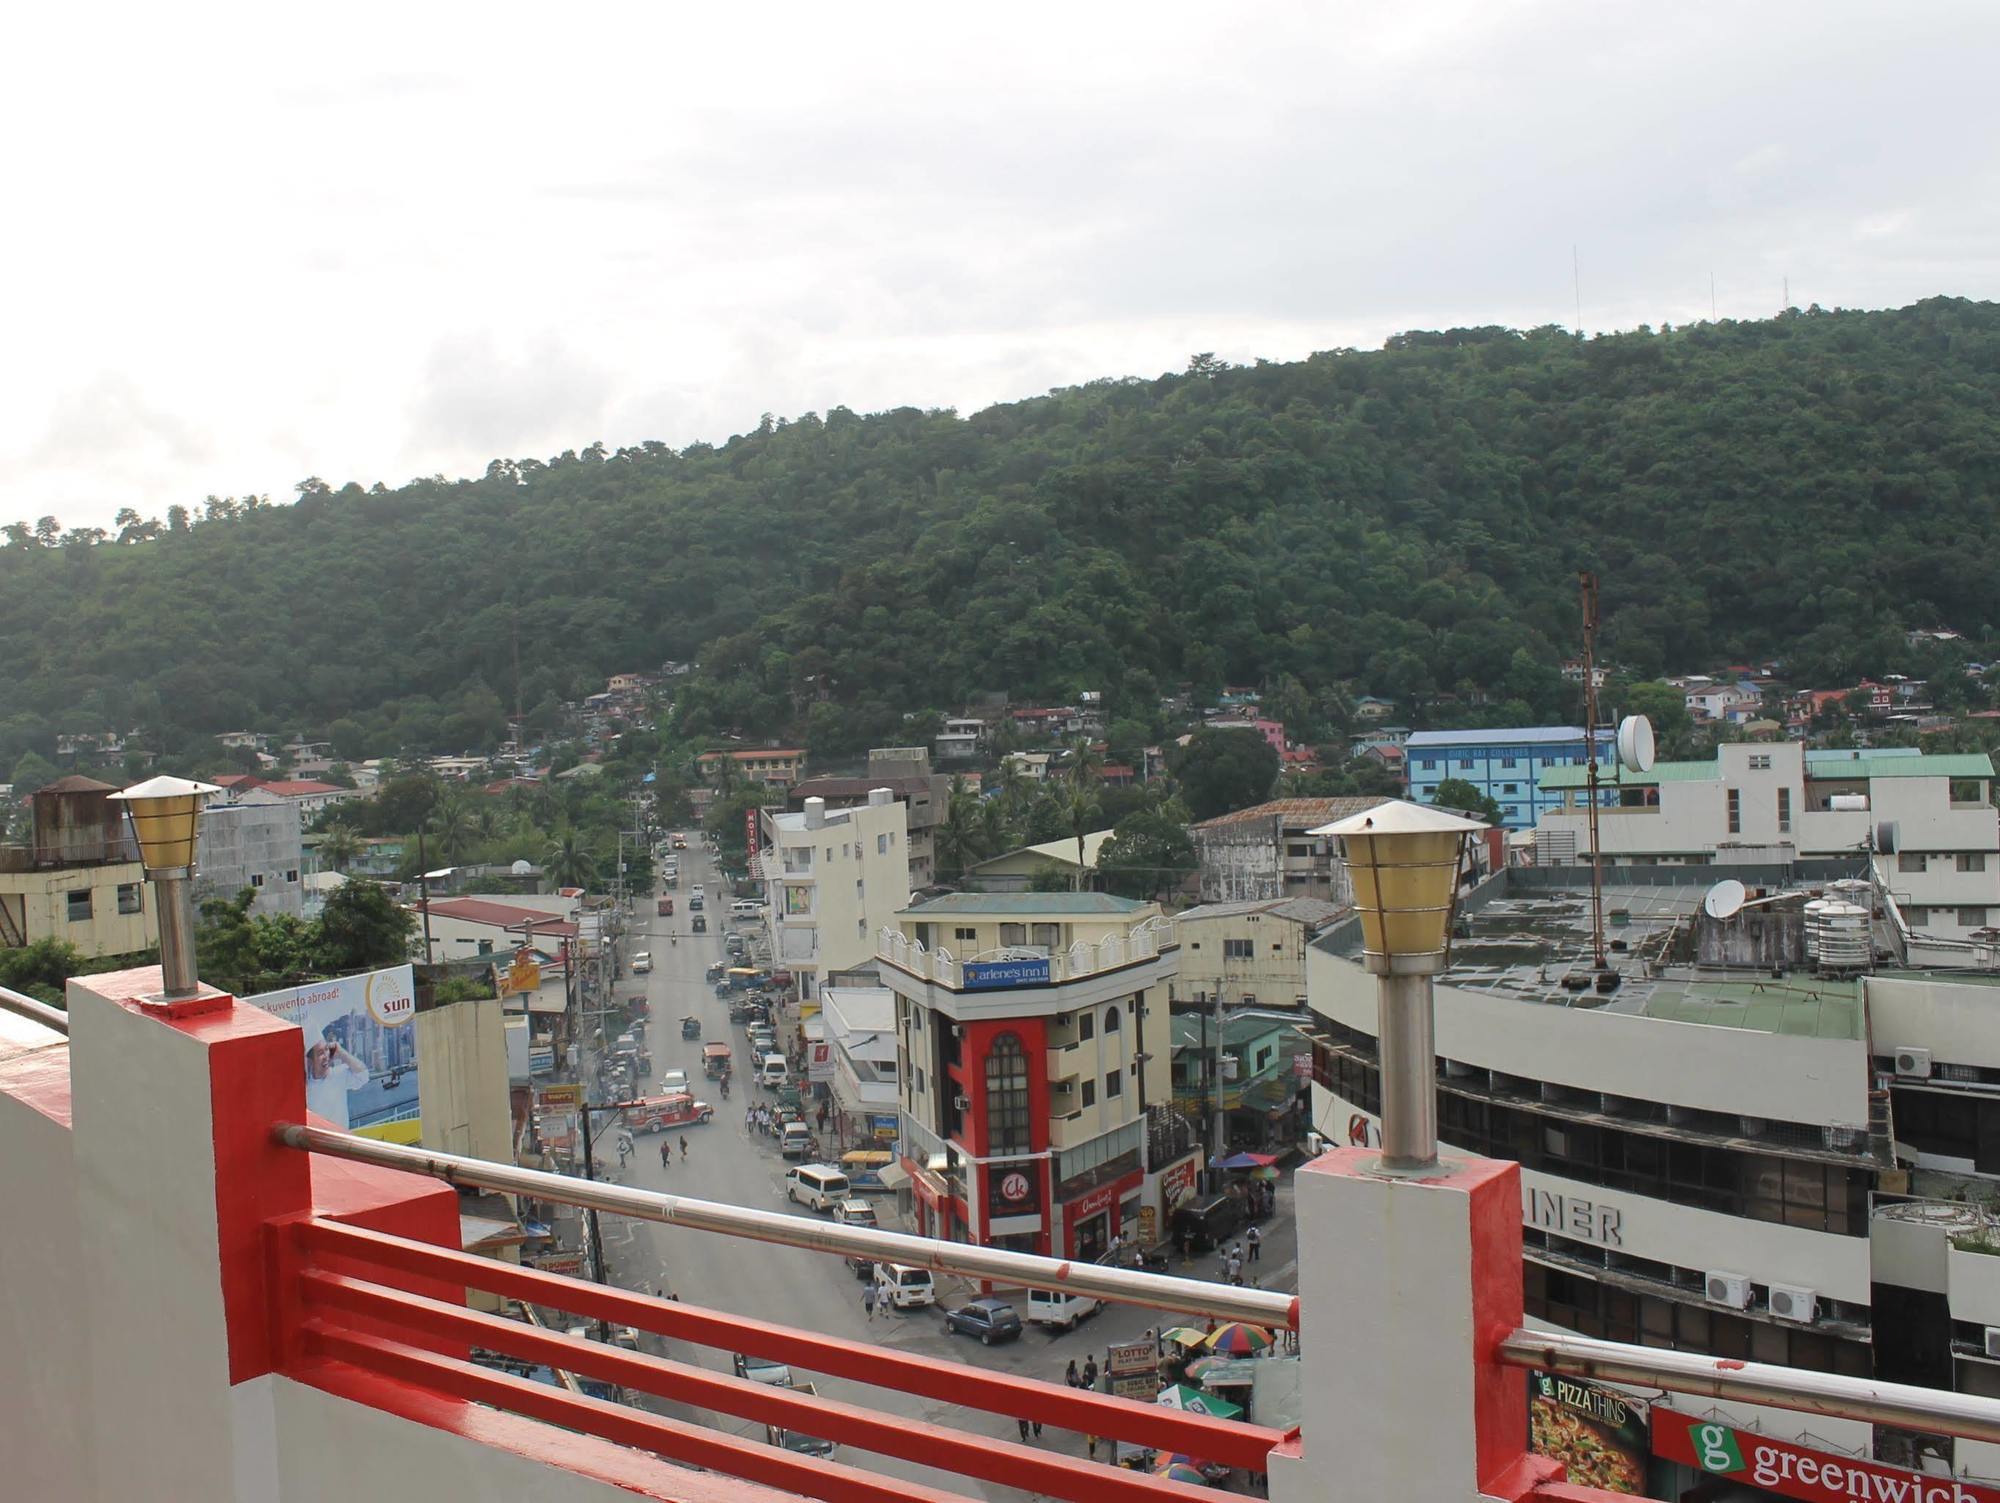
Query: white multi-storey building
{"x":1728,"y":1152}
{"x":832,"y":877}
{"x":1929,"y":820}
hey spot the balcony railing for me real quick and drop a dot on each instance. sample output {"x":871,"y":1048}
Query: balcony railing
{"x":1070,"y":963}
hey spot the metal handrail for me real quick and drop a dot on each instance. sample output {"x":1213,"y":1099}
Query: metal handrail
{"x":1937,"y":1410}
{"x":1261,"y":1307}
{"x":52,"y":1018}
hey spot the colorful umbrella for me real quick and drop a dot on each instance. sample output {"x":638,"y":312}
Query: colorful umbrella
{"x":1267,"y":1172}
{"x":1194,"y":1401}
{"x":1180,"y":1471}
{"x":1240,"y":1340}
{"x":1208,"y":1364}
{"x":1185,"y":1336}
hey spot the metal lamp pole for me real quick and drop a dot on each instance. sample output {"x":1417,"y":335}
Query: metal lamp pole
{"x":1404,"y":861}
{"x":166,"y":813}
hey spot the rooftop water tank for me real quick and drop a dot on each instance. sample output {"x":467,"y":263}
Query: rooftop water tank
{"x":1844,"y":938}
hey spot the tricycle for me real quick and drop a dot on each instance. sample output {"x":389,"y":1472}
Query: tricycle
{"x":690,"y":1027}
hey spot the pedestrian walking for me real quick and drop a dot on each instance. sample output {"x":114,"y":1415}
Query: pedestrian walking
{"x":868,"y":1299}
{"x":1236,"y":1268}
{"x":1024,"y":1432}
{"x":684,"y":1150}
{"x":1038,"y":1428}
{"x":1090,"y":1372}
{"x":1072,"y":1377}
{"x":1117,"y":1248}
{"x":1256,"y":1241}
{"x":666,"y":1154}
{"x":1093,"y":1446}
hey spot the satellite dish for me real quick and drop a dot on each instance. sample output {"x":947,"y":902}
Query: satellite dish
{"x":1635,"y":743}
{"x":1724,"y":899}
{"x":1887,"y":838}
{"x":523,"y":868}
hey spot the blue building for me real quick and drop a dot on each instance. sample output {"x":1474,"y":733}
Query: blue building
{"x":1505,"y":765}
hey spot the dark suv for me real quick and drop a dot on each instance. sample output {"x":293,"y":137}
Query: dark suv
{"x":990,"y":1320}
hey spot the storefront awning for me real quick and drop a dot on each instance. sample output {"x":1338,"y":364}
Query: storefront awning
{"x":893,"y":1176}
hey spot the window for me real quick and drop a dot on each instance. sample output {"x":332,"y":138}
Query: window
{"x":1784,"y":811}
{"x":1735,"y":811}
{"x":1298,"y":850}
{"x":859,"y":894}
{"x":486,"y":947}
{"x":1007,"y":1129}
{"x":1263,"y":1059}
{"x":1972,"y":918}
{"x":965,"y":936}
{"x":129,"y":900}
{"x":1046,"y":936}
{"x":1508,"y":761}
{"x":1913,"y":915}
{"x":1972,"y":861}
{"x":1548,"y":761}
{"x":1760,"y":761}
{"x":1111,"y":1021}
{"x":1114,"y":1084}
{"x":920,"y":1083}
{"x":1090,"y":1093}
{"x":1429,"y":764}
{"x":1510,"y":788}
{"x":1086,"y":1025}
{"x":1911,"y":861}
{"x":1465,"y":764}
{"x":1013,"y":934}
{"x":881,"y":845}
{"x":916,"y":1021}
{"x":1237,"y":949}
{"x":256,"y":879}
{"x":79,"y":906}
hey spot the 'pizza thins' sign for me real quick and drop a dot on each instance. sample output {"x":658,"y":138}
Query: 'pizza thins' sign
{"x":1817,"y":1476}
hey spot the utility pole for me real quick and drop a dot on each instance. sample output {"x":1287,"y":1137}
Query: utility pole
{"x":1587,"y":587}
{"x":424,"y":886}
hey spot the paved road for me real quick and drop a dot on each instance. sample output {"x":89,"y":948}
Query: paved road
{"x":812,"y":1291}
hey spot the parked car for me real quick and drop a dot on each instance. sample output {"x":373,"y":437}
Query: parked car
{"x":855,"y":1213}
{"x":762,"y":1370}
{"x":1060,"y":1310}
{"x":791,"y":1440}
{"x":772,"y":1072}
{"x":990,"y":1320}
{"x":1209,"y":1223}
{"x":904,"y":1287}
{"x":642,"y":962}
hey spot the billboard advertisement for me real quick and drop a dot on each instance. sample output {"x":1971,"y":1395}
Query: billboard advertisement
{"x":360,"y":1050}
{"x":1014,"y":1189}
{"x":1796,"y":1471}
{"x":1598,"y":1434}
{"x":993,"y":975}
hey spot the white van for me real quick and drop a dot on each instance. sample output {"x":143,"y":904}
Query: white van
{"x":904,"y":1287}
{"x":746,"y":908}
{"x":772,"y":1071}
{"x":820,"y":1186}
{"x":1058,"y":1309}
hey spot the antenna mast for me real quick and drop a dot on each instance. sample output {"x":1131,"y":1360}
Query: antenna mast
{"x":1587,"y":590}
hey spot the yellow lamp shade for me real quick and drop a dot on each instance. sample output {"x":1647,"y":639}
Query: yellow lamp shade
{"x":165,"y":815}
{"x":1403,"y":862}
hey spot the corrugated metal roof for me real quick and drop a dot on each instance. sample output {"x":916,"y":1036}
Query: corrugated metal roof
{"x":1312,"y":912}
{"x":1315,"y":809}
{"x":1080,"y":904}
{"x":1947,"y":765}
{"x":1525,"y":735}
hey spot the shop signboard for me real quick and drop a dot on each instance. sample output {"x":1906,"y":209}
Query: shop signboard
{"x":819,"y":1061}
{"x":884,"y":1127}
{"x":1796,"y":1471}
{"x":1149,"y":1226}
{"x":750,"y":841}
{"x":1177,"y":1182}
{"x":1132,"y":1370}
{"x":1597,"y":1433}
{"x":1014,"y":1189}
{"x":996,"y":975}
{"x":360,"y":1050}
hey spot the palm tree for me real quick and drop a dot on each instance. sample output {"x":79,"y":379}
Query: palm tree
{"x":340,"y":845}
{"x":958,"y":832}
{"x":570,"y":860}
{"x":726,"y":775}
{"x":1082,"y":809}
{"x":452,"y":827}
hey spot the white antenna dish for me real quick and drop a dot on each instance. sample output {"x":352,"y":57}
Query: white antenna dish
{"x":1724,"y":899}
{"x":1635,"y":743}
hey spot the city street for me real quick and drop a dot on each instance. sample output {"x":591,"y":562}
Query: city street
{"x":812,"y":1291}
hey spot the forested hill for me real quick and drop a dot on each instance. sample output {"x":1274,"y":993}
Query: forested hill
{"x":1402,"y":521}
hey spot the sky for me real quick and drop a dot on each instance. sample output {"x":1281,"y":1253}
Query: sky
{"x":250,"y":245}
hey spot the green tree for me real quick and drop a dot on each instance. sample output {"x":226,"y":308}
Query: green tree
{"x":1666,"y":707}
{"x":41,"y":968}
{"x":340,"y":846}
{"x":569,"y":860}
{"x":1457,"y":793}
{"x":1222,"y":771}
{"x":32,"y":773}
{"x":1083,"y":810}
{"x":363,"y":928}
{"x":1149,"y":855}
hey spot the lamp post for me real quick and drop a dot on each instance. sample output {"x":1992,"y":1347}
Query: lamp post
{"x":1404,"y":861}
{"x":165,"y":814}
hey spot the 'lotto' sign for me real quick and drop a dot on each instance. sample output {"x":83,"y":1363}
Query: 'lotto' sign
{"x":1781,"y":1467}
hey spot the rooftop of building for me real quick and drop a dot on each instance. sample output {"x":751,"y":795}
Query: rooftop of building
{"x":1318,"y":810}
{"x":1312,"y":912}
{"x":1059,"y":852}
{"x":1844,"y":766}
{"x":1194,"y":1029}
{"x":1524,"y":944}
{"x":860,"y":787}
{"x":500,"y":915}
{"x":1519,"y":735}
{"x":1004,"y":904}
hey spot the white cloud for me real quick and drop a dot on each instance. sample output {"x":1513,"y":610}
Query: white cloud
{"x":263,"y":245}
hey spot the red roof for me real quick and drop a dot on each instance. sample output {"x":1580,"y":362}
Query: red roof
{"x":298,"y":787}
{"x":231,"y":779}
{"x":500,"y":915}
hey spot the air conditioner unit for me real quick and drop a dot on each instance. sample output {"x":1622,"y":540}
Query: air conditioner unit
{"x":1993,"y":1341}
{"x":1914,"y":1062}
{"x":1316,"y":1145}
{"x":1731,"y":1289}
{"x":961,"y":1104}
{"x":1791,"y":1303}
{"x":1064,"y":1087}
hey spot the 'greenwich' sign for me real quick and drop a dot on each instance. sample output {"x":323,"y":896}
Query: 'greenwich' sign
{"x":1815,"y":1476}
